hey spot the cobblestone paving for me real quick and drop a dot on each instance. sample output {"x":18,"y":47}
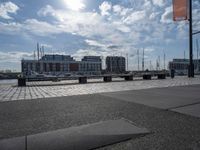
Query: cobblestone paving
{"x":34,"y":90}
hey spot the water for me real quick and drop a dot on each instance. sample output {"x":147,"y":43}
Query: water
{"x":8,"y":81}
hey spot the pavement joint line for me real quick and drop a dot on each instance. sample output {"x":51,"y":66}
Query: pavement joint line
{"x":181,"y":106}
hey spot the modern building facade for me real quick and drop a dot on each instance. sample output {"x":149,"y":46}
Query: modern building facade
{"x":62,"y":64}
{"x":115,"y":64}
{"x":181,"y":66}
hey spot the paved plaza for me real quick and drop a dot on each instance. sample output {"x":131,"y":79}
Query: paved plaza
{"x":165,"y":112}
{"x":34,"y":90}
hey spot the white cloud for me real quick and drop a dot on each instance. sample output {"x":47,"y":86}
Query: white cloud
{"x":114,"y":30}
{"x":31,"y":26}
{"x":40,"y":28}
{"x":120,"y":10}
{"x":154,"y":15}
{"x":159,"y":3}
{"x":196,"y":20}
{"x":117,"y":8}
{"x":75,"y":5}
{"x":46,"y":45}
{"x":105,"y":7}
{"x":47,"y":10}
{"x":14,"y":57}
{"x":94,"y":43}
{"x":121,"y":27}
{"x":167,"y":16}
{"x":8,"y":8}
{"x":134,"y":17}
{"x":10,"y":28}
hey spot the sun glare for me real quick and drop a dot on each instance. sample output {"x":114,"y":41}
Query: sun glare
{"x":75,"y":5}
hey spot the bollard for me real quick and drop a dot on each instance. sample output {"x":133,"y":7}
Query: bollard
{"x":147,"y":77}
{"x":128,"y":78}
{"x":161,"y":76}
{"x":172,"y":73}
{"x":107,"y":78}
{"x":82,"y":80}
{"x":21,"y":81}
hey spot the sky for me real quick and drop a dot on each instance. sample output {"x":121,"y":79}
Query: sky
{"x":93,"y":27}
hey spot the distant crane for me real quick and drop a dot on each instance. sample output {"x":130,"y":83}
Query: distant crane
{"x":158,"y":63}
{"x":138,"y":54}
{"x":34,"y":55}
{"x":184,"y":55}
{"x":38,"y":51}
{"x":143,"y":60}
{"x":127,"y":60}
{"x":164,"y":58}
{"x":150,"y":67}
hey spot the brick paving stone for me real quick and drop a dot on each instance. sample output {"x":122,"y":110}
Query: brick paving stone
{"x":47,"y":89}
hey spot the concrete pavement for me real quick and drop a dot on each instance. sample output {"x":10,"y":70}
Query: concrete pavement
{"x":145,"y":108}
{"x":185,"y":99}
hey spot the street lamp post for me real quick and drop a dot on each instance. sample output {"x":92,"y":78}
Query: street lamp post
{"x":191,"y":65}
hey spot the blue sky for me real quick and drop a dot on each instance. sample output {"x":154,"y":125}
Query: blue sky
{"x":93,"y":27}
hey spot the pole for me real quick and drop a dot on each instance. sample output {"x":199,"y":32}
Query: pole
{"x":38,"y":53}
{"x":127,"y":60}
{"x":164,"y":57}
{"x":184,"y":55}
{"x":197,"y":42}
{"x":138,"y":59}
{"x":150,"y":65}
{"x":34,"y":55}
{"x":143,"y":60}
{"x":191,"y":65}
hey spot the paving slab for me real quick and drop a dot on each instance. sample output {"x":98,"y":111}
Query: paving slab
{"x":192,"y":110}
{"x":86,"y":136}
{"x":77,"y":138}
{"x":13,"y":144}
{"x":164,"y":98}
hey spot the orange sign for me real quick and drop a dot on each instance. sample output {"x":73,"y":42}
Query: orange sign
{"x":180,"y":10}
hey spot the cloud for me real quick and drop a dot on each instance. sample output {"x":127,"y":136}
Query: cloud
{"x":75,"y":5}
{"x":46,"y":45}
{"x":117,"y":9}
{"x":121,"y":27}
{"x":120,"y":10}
{"x":134,"y":17}
{"x":167,"y":16}
{"x":12,"y":59}
{"x":8,"y":8}
{"x":154,"y":15}
{"x":47,"y":10}
{"x":196,"y":16}
{"x":40,"y":28}
{"x":14,"y":56}
{"x":10,"y":28}
{"x":105,"y":7}
{"x":124,"y":28}
{"x":31,"y":26}
{"x":159,"y":3}
{"x":94,"y":43}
